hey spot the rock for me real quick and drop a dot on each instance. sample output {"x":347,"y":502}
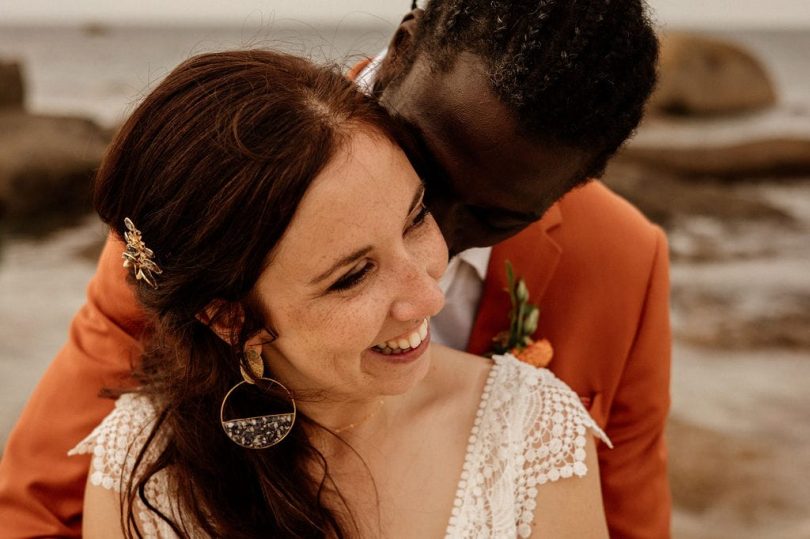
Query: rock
{"x":706,"y":76}
{"x":12,"y":89}
{"x":724,"y":320}
{"x":699,"y":478}
{"x":46,"y":167}
{"x":668,"y":199}
{"x":779,"y":157}
{"x":728,"y":483}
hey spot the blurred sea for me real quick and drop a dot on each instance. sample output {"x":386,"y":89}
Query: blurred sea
{"x":102,"y":72}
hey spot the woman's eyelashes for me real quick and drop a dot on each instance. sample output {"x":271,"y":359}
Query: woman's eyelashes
{"x":354,"y":278}
{"x":419,"y":219}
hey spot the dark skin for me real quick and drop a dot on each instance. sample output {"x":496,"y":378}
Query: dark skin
{"x":486,"y":181}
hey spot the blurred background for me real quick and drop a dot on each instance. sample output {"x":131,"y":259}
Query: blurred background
{"x":722,"y":162}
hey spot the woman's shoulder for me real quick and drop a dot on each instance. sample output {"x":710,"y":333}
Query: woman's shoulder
{"x":123,"y":446}
{"x":117,"y":441}
{"x":523,"y":402}
{"x":458,"y":372}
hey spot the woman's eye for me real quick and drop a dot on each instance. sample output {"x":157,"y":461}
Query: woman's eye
{"x":351,"y":280}
{"x":356,"y":277}
{"x":419,"y":219}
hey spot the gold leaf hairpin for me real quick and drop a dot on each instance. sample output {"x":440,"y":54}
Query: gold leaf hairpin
{"x":138,"y":256}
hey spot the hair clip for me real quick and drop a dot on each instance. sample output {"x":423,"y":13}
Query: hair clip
{"x":138,"y":256}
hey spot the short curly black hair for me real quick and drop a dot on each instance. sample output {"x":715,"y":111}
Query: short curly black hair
{"x":575,"y":72}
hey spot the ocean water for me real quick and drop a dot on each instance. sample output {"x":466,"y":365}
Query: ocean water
{"x":103,"y":72}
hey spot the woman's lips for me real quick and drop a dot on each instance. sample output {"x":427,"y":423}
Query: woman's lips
{"x":409,"y":340}
{"x":405,"y":356}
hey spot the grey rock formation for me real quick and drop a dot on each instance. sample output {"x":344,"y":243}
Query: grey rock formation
{"x":775,"y":157}
{"x":707,"y":76}
{"x":46,"y":168}
{"x":12,"y":87}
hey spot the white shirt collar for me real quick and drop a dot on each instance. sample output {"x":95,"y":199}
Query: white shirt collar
{"x":478,"y":258}
{"x":365,"y":80}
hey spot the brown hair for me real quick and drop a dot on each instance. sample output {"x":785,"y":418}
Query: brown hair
{"x":211,"y":168}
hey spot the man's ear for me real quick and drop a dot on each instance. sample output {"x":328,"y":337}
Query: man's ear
{"x":402,"y":39}
{"x":398,"y":48}
{"x":223,"y":318}
{"x":403,"y":36}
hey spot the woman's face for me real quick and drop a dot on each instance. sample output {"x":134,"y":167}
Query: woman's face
{"x":357,"y":267}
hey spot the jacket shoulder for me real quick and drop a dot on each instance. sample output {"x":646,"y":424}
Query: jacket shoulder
{"x":596,"y":210}
{"x":599,"y":225}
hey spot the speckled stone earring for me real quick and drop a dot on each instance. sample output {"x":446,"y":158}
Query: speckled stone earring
{"x":259,"y":431}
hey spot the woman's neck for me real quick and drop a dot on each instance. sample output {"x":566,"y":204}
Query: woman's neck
{"x":349,"y":415}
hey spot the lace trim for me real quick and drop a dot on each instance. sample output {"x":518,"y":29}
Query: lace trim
{"x":115,"y":444}
{"x":472,"y":444}
{"x":530,"y":429}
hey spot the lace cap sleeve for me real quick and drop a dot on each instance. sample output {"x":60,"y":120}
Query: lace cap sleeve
{"x":116,"y":442}
{"x":115,"y":445}
{"x":554,"y":425}
{"x":530,"y":429}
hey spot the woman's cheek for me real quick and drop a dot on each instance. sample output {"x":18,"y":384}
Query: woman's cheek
{"x":353,"y":324}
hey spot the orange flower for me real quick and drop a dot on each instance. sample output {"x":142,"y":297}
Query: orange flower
{"x":537,"y":353}
{"x":523,"y":319}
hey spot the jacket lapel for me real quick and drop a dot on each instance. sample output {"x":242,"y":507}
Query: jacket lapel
{"x":534,"y":256}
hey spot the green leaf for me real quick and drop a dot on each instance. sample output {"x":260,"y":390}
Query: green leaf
{"x":531,"y":320}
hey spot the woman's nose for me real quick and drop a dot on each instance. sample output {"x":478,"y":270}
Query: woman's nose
{"x":419,"y":296}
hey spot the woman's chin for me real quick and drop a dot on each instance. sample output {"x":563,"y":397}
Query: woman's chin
{"x":396,"y":374}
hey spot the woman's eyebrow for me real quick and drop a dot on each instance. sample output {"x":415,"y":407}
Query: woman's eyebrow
{"x":363,"y":251}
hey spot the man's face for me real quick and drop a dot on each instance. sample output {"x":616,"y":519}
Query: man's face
{"x":486,"y":182}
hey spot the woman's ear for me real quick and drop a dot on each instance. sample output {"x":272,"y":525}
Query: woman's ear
{"x":224,"y":318}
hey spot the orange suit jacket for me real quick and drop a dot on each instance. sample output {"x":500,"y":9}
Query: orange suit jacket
{"x":599,"y":272}
{"x":596,"y":267}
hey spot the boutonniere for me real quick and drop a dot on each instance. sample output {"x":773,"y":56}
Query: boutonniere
{"x":523,"y":319}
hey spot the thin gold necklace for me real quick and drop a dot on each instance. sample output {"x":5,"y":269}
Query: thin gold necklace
{"x":368,"y":416}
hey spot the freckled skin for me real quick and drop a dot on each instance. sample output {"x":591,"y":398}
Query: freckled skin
{"x":486,"y":181}
{"x":360,"y":199}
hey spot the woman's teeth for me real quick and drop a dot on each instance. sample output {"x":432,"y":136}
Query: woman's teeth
{"x":404,"y":344}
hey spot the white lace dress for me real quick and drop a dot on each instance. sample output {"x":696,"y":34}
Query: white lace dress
{"x":530,"y":429}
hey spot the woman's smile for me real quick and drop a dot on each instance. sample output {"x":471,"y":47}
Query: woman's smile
{"x":406,"y":348}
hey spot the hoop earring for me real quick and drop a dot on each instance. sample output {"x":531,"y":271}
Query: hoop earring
{"x":261,"y":431}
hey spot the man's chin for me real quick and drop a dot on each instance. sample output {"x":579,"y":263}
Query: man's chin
{"x":483,"y":240}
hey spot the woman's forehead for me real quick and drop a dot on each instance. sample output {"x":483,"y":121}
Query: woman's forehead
{"x":360,"y":198}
